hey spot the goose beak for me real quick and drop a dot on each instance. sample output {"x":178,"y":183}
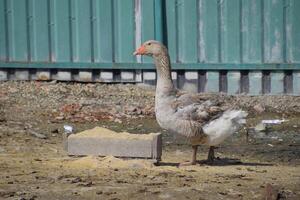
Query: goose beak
{"x":140,"y":51}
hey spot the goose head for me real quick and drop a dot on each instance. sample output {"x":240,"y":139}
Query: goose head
{"x":151,"y":48}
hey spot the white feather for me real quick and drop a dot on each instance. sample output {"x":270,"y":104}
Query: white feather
{"x":221,"y":128}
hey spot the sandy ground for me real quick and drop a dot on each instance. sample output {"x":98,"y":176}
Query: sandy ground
{"x":34,"y":166}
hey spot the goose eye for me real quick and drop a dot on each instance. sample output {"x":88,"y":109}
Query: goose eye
{"x":149,"y":43}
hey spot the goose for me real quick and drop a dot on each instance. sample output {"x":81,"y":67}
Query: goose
{"x":202,"y":120}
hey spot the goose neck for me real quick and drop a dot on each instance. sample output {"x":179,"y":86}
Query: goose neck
{"x":164,"y":79}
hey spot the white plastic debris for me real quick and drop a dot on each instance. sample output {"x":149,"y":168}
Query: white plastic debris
{"x":274,"y":137}
{"x":68,"y":129}
{"x":273,"y":121}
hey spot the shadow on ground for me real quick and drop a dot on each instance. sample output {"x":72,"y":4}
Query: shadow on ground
{"x":218,"y":162}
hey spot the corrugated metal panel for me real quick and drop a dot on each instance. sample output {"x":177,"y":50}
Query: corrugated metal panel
{"x":186,"y":31}
{"x":61,"y":40}
{"x":38,"y":31}
{"x":234,"y":46}
{"x":103,"y":31}
{"x":252,"y":31}
{"x":146,"y":24}
{"x":230,"y":31}
{"x":292,"y":29}
{"x":273,"y":31}
{"x":233,"y":31}
{"x":18,"y":43}
{"x":2,"y":31}
{"x":209,"y":37}
{"x":200,"y":34}
{"x":124,"y":31}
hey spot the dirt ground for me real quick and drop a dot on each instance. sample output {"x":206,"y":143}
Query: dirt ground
{"x":33,"y":164}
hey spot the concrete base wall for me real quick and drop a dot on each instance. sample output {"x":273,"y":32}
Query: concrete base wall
{"x":253,"y":82}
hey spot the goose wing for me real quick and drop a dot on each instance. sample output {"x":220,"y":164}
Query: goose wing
{"x":196,"y":107}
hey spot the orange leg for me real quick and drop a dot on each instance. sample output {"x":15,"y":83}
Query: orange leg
{"x":193,"y":161}
{"x":211,"y":155}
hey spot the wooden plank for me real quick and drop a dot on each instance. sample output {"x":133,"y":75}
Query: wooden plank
{"x":187,"y":31}
{"x":255,"y":82}
{"x":252,"y":28}
{"x":209,"y":39}
{"x":293,"y":30}
{"x":273,"y":31}
{"x":230,"y":31}
{"x":62,"y":35}
{"x":124,"y":30}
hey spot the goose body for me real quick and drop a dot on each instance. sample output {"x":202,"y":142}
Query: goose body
{"x":201,"y":120}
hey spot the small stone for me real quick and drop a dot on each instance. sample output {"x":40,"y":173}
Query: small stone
{"x":260,"y":127}
{"x":88,"y":184}
{"x":33,"y":197}
{"x":2,"y":150}
{"x":76,"y":180}
{"x":38,"y":135}
{"x":55,"y":130}
{"x":109,"y":193}
{"x":259,"y":108}
{"x":59,"y":118}
{"x":223,"y":193}
{"x":131,"y":109}
{"x":118,"y":121}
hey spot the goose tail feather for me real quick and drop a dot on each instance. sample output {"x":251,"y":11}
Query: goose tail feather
{"x":224,"y":126}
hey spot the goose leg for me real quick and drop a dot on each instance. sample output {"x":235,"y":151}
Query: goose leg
{"x":211,"y":155}
{"x":193,"y":161}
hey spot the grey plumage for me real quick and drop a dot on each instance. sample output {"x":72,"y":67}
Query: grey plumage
{"x":202,"y":120}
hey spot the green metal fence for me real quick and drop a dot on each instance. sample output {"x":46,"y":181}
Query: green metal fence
{"x":210,"y":34}
{"x":240,"y":35}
